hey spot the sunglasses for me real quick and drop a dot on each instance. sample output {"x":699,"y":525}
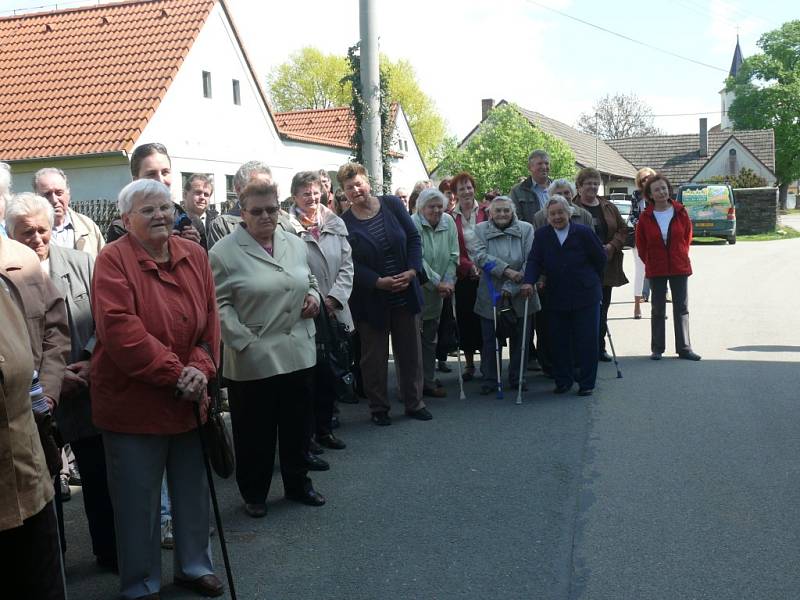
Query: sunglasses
{"x":257,"y":212}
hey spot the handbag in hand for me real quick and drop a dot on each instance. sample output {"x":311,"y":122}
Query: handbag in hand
{"x":506,"y":319}
{"x":334,"y":353}
{"x":215,"y":431}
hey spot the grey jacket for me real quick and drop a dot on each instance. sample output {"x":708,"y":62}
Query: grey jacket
{"x":526,"y":202}
{"x":71,"y":273}
{"x":507,"y":247}
{"x":331,"y":261}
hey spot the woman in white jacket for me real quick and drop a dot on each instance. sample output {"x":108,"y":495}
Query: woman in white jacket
{"x":331,"y":262}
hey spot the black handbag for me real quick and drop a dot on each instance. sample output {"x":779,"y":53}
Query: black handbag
{"x":506,"y":319}
{"x":215,"y":431}
{"x":334,"y":353}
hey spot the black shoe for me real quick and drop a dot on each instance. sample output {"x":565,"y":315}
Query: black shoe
{"x":332,"y":442}
{"x":74,"y":476}
{"x":437,"y":392}
{"x":655,"y":356}
{"x":66,"y":493}
{"x":468,"y":374}
{"x":586,"y":392}
{"x":315,"y":463}
{"x":315,"y":448}
{"x":309,"y":497}
{"x":689,"y":355}
{"x":421,"y":414}
{"x":381,"y":418}
{"x":604,"y":356}
{"x":257,"y":510}
{"x":487,"y":389}
{"x":443,"y":368}
{"x":562,"y":389}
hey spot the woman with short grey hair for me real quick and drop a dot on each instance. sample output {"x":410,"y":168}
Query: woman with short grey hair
{"x":158,"y":341}
{"x":502,"y":245}
{"x":439,"y":262}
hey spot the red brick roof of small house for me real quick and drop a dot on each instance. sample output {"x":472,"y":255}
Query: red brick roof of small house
{"x":86,"y":81}
{"x":329,"y":126}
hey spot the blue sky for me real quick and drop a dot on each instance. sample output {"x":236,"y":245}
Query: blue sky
{"x":465,"y":50}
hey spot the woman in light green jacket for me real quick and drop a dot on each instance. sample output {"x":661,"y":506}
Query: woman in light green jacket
{"x":439,"y":260}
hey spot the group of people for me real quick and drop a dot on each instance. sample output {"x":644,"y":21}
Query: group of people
{"x":111,"y":341}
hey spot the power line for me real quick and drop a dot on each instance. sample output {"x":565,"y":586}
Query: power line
{"x":628,"y":38}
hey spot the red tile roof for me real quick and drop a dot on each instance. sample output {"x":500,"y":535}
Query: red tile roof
{"x":87,"y":80}
{"x":328,"y":126}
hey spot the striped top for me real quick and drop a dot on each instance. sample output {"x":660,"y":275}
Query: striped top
{"x":376,"y":227}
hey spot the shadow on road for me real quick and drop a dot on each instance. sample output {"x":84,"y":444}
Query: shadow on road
{"x":765,"y":348}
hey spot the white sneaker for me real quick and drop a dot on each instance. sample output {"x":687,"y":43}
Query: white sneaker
{"x":167,"y":541}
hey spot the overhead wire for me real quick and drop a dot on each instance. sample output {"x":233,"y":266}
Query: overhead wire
{"x":627,"y":37}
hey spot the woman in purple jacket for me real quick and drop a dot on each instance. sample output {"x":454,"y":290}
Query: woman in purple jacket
{"x":386,"y":298}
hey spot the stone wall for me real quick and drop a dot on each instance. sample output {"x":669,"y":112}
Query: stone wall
{"x":756,"y":210}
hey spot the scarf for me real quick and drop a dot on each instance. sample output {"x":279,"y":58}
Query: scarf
{"x":311,"y":222}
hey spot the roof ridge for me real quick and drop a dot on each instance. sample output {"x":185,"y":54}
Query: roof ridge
{"x":310,"y":110}
{"x":85,"y":7}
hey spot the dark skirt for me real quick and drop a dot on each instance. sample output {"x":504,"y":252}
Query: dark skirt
{"x":469,"y":324}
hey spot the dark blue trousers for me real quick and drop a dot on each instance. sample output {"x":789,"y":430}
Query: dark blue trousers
{"x":573,"y":342}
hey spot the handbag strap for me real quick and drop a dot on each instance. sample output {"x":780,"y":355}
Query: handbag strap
{"x":214,"y":385}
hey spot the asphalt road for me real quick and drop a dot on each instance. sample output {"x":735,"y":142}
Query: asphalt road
{"x":678,"y":481}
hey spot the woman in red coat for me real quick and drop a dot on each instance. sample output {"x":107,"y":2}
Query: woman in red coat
{"x":663,"y":237}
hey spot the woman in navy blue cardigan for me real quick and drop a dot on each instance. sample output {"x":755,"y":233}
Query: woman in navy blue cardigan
{"x":386,"y":298}
{"x":572,"y":259}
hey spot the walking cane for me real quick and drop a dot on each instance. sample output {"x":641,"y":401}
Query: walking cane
{"x":461,"y":395}
{"x":613,"y":352}
{"x":497,"y":353}
{"x":522,"y":354}
{"x":214,"y":503}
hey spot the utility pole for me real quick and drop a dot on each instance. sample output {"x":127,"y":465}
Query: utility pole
{"x":371,"y":93}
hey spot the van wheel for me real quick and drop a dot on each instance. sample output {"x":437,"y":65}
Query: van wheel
{"x":732,"y":239}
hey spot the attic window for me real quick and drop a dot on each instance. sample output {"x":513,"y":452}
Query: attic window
{"x":237,"y":95}
{"x":206,"y":84}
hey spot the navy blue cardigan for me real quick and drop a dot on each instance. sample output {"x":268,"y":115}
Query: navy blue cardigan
{"x":574,"y":271}
{"x":368,"y":303}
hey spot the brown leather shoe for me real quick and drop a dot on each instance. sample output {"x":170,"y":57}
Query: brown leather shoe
{"x":207,"y":585}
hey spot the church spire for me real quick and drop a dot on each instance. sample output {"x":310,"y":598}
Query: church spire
{"x":737,"y":61}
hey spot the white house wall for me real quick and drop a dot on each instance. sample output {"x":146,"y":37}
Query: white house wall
{"x":101,"y":178}
{"x":718,"y":165}
{"x":300,"y":156}
{"x":213,"y":135}
{"x":409,"y":169}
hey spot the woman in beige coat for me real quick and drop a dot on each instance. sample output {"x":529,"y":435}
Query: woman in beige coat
{"x":331,"y":262}
{"x":267,"y":300}
{"x":28,"y":525}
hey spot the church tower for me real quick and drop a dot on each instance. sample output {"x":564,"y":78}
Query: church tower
{"x":728,"y":97}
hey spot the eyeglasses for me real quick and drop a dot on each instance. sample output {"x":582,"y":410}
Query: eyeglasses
{"x":257,"y":212}
{"x":148,"y":212}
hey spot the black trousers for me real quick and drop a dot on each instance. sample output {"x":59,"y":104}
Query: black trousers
{"x":604,"y":316}
{"x":679,"y":286}
{"x":91,"y":458}
{"x":30,"y":559}
{"x":446,"y":333}
{"x":263,"y":413}
{"x":319,"y":418}
{"x":544,"y":352}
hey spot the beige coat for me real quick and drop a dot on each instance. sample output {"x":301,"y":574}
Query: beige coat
{"x":45,"y":313}
{"x":25,"y":484}
{"x":260,"y":298}
{"x":87,"y":234}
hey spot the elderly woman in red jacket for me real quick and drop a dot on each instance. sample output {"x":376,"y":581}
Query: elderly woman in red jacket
{"x":663,"y":236}
{"x":157,"y":345}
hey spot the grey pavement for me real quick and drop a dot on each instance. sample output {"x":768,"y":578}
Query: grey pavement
{"x":678,"y":481}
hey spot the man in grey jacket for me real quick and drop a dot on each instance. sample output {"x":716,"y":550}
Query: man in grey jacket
{"x":530,"y":196}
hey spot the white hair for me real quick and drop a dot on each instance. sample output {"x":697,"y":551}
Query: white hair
{"x":559,"y":199}
{"x":141,"y":188}
{"x":429,"y":194}
{"x":497,"y":199}
{"x":27,"y":204}
{"x":561,"y":183}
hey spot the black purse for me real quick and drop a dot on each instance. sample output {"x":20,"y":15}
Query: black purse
{"x":334,"y":353}
{"x":506,"y":319}
{"x":215,"y":431}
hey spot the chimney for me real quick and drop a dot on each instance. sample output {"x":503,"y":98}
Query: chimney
{"x":703,"y":150}
{"x":487,"y":104}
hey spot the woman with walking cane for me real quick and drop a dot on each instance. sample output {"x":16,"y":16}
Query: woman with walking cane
{"x":572,"y":260}
{"x":502,"y":245}
{"x":157,"y":345}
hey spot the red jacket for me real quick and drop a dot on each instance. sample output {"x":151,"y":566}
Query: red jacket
{"x":149,"y":324}
{"x":660,"y":259}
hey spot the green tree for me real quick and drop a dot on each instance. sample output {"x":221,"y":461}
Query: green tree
{"x":767,"y":90}
{"x":497,"y":155}
{"x":745,"y":178}
{"x":309,"y":79}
